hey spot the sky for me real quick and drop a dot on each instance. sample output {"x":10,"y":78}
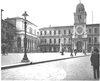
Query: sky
{"x":44,"y":13}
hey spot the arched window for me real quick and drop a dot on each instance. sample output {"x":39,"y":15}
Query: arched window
{"x":40,"y":32}
{"x":95,"y":40}
{"x":64,"y":31}
{"x":50,"y":41}
{"x":64,"y":40}
{"x":90,"y":31}
{"x":19,"y":42}
{"x":32,"y":44}
{"x":79,"y":17}
{"x":89,"y":39}
{"x":59,"y":41}
{"x":50,"y":32}
{"x":30,"y":30}
{"x":35,"y":31}
{"x":59,"y":32}
{"x":69,"y":32}
{"x":54,"y":41}
{"x":95,"y":30}
{"x":45,"y":41}
{"x":45,"y":32}
{"x":54,"y":32}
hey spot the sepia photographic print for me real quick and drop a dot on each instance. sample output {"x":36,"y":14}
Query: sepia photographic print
{"x":50,"y":40}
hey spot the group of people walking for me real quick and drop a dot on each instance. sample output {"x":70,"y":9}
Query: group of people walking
{"x":72,"y":51}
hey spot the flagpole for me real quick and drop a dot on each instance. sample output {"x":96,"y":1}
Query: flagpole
{"x":1,"y":13}
{"x":92,"y":33}
{"x":92,"y":17}
{"x":80,"y":1}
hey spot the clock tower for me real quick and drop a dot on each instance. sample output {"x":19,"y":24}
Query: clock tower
{"x":79,"y":29}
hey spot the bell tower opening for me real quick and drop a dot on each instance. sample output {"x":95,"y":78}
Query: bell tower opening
{"x":80,"y":14}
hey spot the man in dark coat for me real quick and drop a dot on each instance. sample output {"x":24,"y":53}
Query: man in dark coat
{"x":95,"y":63}
{"x":84,"y":51}
{"x":75,"y":51}
{"x":62,"y":52}
{"x":71,"y":50}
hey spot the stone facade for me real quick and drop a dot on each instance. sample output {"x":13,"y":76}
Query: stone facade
{"x":50,"y":41}
{"x":80,"y":36}
{"x":31,"y":32}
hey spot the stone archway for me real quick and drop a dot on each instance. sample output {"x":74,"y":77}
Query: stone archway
{"x":79,"y":46}
{"x":19,"y":42}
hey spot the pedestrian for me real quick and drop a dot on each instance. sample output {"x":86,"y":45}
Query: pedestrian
{"x":75,"y":51}
{"x":84,"y":51}
{"x":71,"y":50}
{"x":62,"y":52}
{"x":95,"y":63}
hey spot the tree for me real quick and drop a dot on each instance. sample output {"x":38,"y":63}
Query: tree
{"x":8,"y":32}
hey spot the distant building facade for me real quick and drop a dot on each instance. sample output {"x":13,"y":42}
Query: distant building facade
{"x":80,"y":36}
{"x":31,"y":32}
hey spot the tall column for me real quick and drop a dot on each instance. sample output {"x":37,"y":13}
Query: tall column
{"x":32,"y":45}
{"x":74,"y":45}
{"x":86,"y":45}
{"x":29,"y":45}
{"x":83,"y":46}
{"x":16,"y":42}
{"x":60,"y":44}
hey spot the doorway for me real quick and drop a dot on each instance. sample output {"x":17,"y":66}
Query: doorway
{"x":79,"y":46}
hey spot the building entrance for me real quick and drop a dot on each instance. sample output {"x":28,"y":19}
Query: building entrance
{"x":79,"y":46}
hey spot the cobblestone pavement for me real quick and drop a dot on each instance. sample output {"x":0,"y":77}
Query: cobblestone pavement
{"x":69,"y":69}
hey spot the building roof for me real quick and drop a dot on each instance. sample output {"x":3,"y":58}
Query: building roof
{"x":56,"y":27}
{"x":22,"y":19}
{"x":80,"y":6}
{"x":8,"y":23}
{"x":93,"y":25}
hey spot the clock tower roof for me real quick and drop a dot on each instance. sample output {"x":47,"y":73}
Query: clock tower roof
{"x":80,"y":7}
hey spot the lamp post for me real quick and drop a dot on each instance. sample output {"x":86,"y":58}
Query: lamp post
{"x":25,"y":58}
{"x":71,"y":45}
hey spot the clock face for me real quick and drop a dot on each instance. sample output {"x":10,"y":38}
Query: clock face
{"x":79,"y":30}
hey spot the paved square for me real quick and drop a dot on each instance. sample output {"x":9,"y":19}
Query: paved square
{"x":69,"y":69}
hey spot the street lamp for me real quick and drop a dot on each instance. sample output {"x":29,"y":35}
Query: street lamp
{"x":71,"y":45}
{"x":25,"y":58}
